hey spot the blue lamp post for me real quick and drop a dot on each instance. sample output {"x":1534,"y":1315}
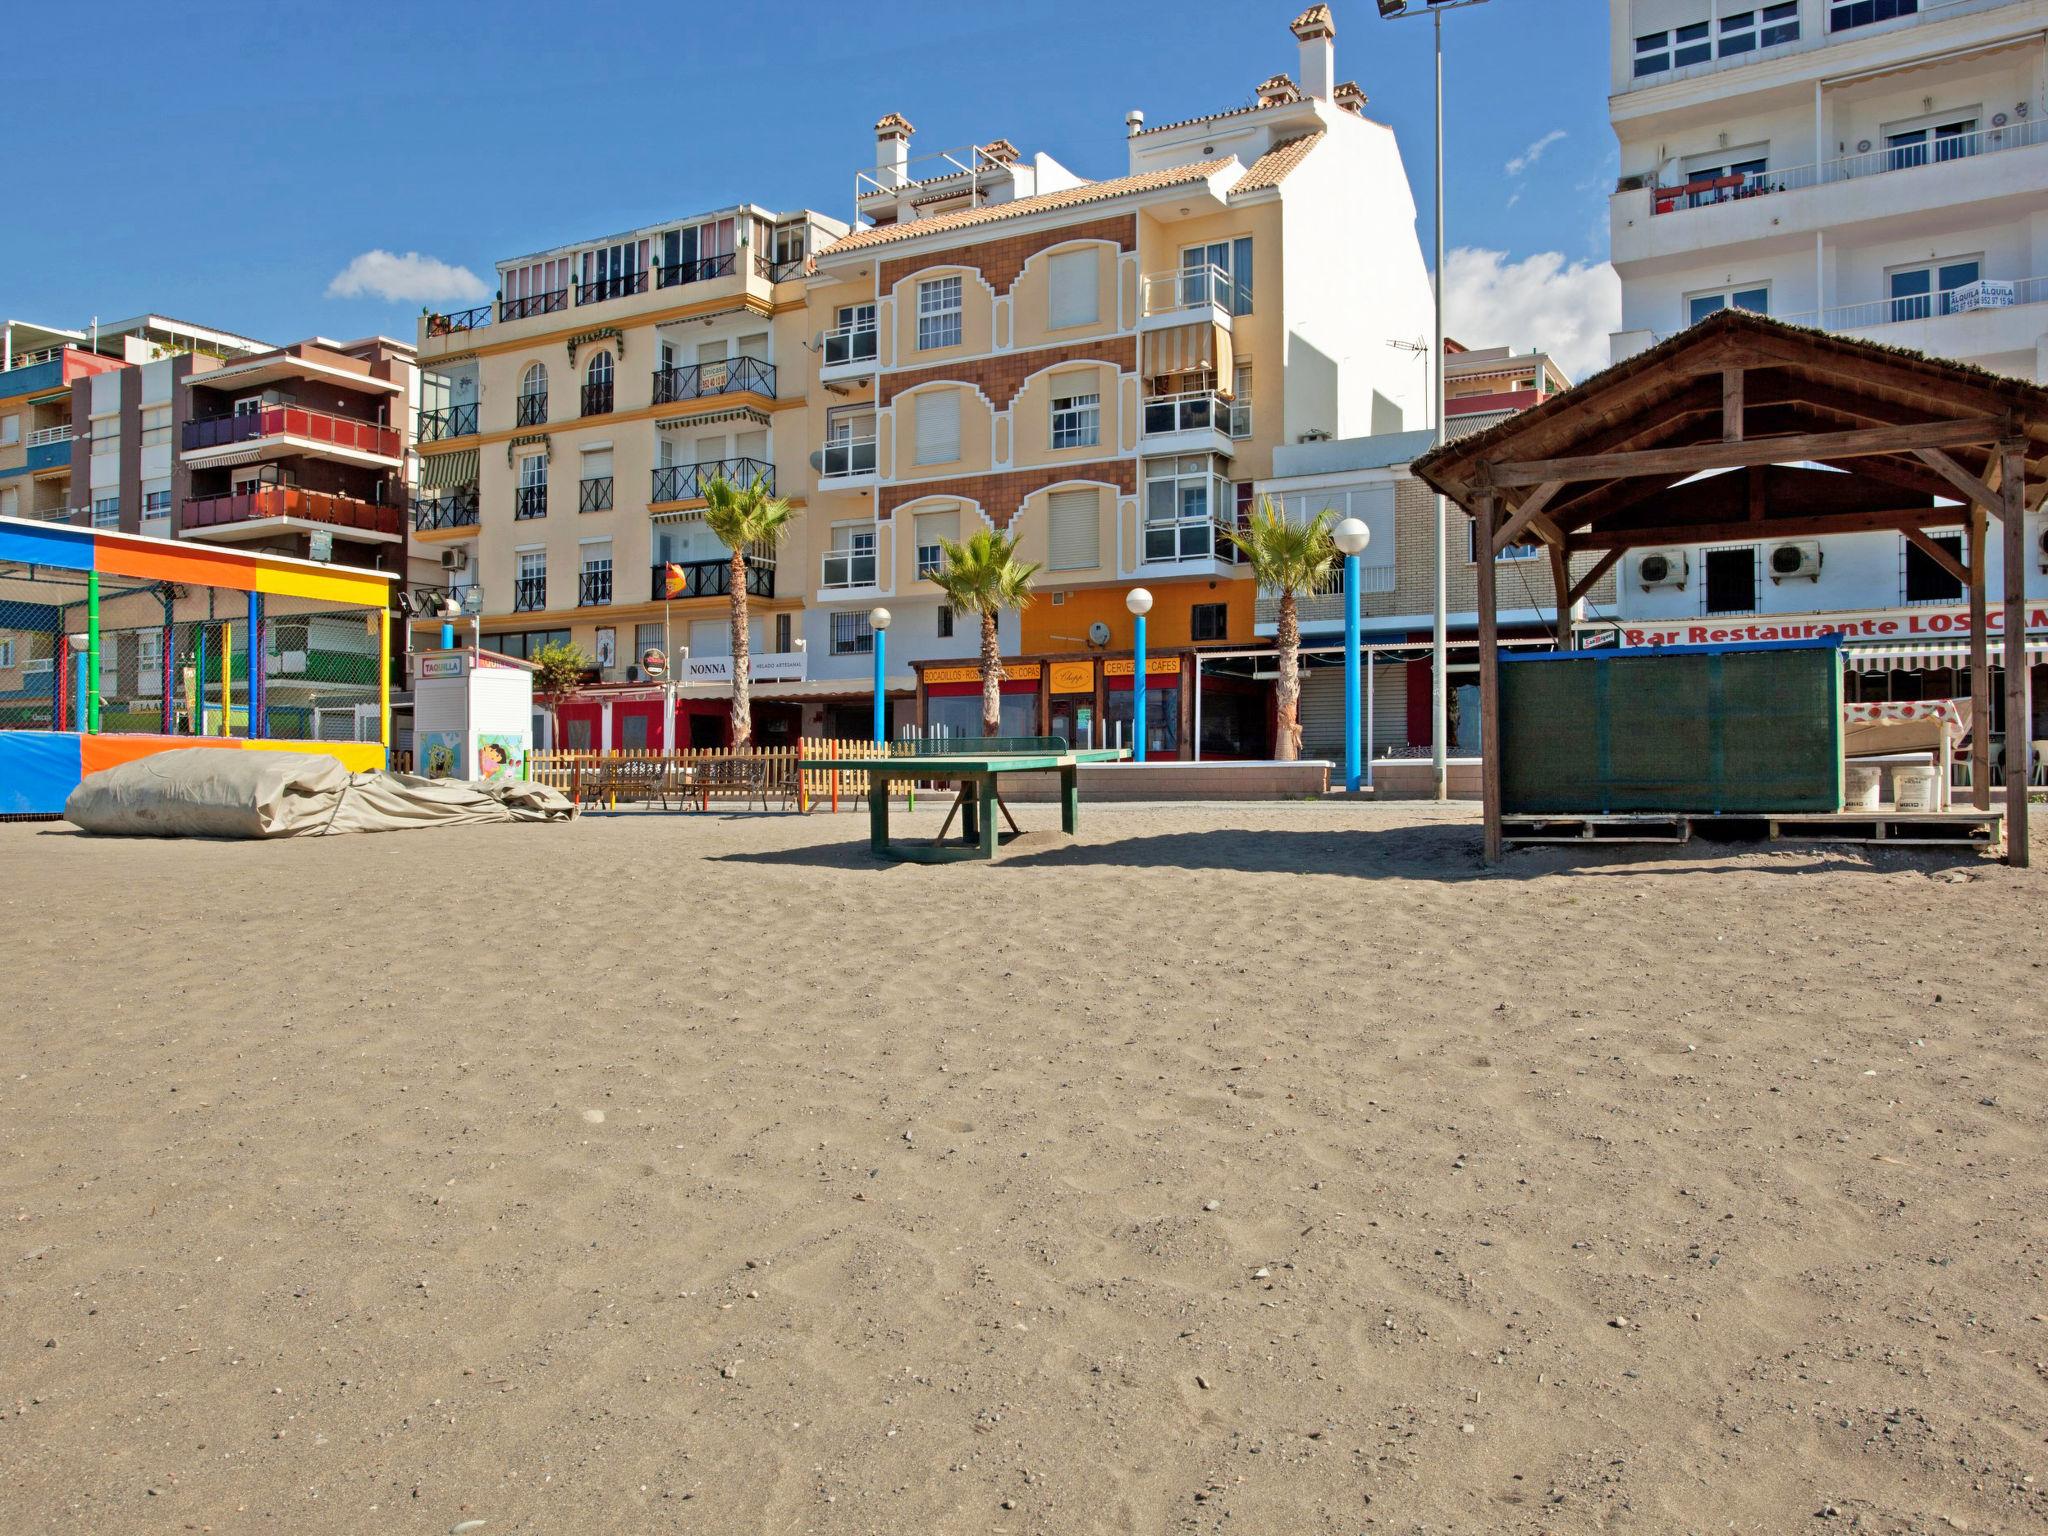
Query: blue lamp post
{"x":1351,"y":537}
{"x":878,"y":620}
{"x":1139,"y":601}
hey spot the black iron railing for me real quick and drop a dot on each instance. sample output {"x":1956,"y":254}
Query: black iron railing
{"x":461,"y":320}
{"x":685,"y":482}
{"x":530,"y":501}
{"x":531,"y":411}
{"x":594,"y":494}
{"x":451,"y":421}
{"x":726,"y":376}
{"x":778,"y":271}
{"x":593,"y":589}
{"x":534,"y":304}
{"x":597,"y":399}
{"x":711,"y":578}
{"x":454,"y":509}
{"x":619,"y":286}
{"x":695,"y":271}
{"x":529,"y":593}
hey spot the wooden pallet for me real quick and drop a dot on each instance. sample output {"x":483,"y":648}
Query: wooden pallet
{"x":1931,"y":829}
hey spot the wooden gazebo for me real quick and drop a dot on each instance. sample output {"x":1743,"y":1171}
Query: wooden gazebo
{"x":1610,"y":466}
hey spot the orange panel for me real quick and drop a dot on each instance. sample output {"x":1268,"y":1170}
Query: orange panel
{"x":97,"y":752}
{"x":195,"y":564}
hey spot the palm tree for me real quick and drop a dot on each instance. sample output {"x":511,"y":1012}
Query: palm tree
{"x":984,"y":576}
{"x":744,"y":518}
{"x":1288,"y":558}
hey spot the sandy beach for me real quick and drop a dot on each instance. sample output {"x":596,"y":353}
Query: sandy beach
{"x":1263,"y":1168}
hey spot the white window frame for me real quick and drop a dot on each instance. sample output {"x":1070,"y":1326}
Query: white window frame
{"x":1181,"y":471}
{"x":533,"y":470}
{"x":940,"y":305}
{"x":918,"y":404}
{"x":1934,"y":298}
{"x":1727,"y":295}
{"x":1077,"y":417}
{"x":6,"y":650}
{"x":106,"y":512}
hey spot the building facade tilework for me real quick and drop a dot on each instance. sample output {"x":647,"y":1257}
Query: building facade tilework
{"x":999,"y":495}
{"x":1000,"y":377}
{"x":1001,"y":259}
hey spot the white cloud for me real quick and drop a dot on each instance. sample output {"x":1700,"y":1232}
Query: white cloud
{"x":411,"y":278}
{"x":1528,"y":157}
{"x":1542,"y":302}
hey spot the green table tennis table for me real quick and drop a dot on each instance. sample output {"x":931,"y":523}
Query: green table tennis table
{"x":977,"y":765}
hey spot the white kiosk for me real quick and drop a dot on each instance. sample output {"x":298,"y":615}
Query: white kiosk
{"x":472,"y":714}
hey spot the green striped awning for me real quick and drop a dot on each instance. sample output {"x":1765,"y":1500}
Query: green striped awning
{"x":447,"y":471}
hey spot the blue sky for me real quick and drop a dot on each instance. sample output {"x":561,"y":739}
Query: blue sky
{"x":247,"y":154}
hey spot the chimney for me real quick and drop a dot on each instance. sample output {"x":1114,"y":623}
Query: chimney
{"x":1134,"y":123}
{"x":892,"y":150}
{"x":1350,"y":98}
{"x":1317,"y":34}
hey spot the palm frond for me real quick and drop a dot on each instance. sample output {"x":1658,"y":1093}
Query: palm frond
{"x":982,"y":574}
{"x":1285,"y":555}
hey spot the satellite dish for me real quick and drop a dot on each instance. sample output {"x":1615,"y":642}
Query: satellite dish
{"x":1098,"y":633}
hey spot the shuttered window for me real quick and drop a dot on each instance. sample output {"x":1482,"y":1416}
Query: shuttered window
{"x":938,"y":426}
{"x":1074,"y":534}
{"x":934,"y":529}
{"x":1072,"y":287}
{"x":597,"y":463}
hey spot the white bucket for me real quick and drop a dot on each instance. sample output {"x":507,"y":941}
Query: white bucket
{"x":1860,"y":786}
{"x":1913,"y":789}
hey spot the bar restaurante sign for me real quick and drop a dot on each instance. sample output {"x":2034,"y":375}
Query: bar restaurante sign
{"x":1882,"y":624}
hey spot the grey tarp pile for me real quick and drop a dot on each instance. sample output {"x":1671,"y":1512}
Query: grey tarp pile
{"x":213,"y":792}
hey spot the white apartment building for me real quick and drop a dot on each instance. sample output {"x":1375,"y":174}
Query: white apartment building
{"x":1870,"y":168}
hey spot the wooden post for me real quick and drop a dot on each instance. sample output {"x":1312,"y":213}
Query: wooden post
{"x":1561,"y":584}
{"x":1483,"y":511}
{"x":1980,"y":662}
{"x":2019,"y":721}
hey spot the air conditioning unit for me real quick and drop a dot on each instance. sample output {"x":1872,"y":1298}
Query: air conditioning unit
{"x":454,"y":559}
{"x":1662,"y":568}
{"x":1791,"y":561}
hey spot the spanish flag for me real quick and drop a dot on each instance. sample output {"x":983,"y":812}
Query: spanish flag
{"x":675,"y":580}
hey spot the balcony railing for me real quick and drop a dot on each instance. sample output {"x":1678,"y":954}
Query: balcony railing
{"x":1189,"y":288}
{"x":778,"y":271}
{"x":288,"y":501}
{"x":712,"y":578}
{"x":621,"y":285}
{"x":1326,"y":603}
{"x":848,"y":456}
{"x":293,"y":421}
{"x":460,"y":320}
{"x":848,"y":568}
{"x":725,"y":376}
{"x":529,"y":594}
{"x":49,"y":437}
{"x":594,"y":494}
{"x":1193,"y":538}
{"x":554,"y":300}
{"x":850,"y":344}
{"x":1988,"y":294}
{"x":530,"y":411}
{"x":1195,"y":411}
{"x":456,"y":509}
{"x":695,"y":271}
{"x":685,"y":482}
{"x":450,"y":421}
{"x":594,"y":589}
{"x":597,"y":399}
{"x":530,"y":501}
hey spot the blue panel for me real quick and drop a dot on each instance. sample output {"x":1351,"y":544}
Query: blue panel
{"x":57,"y":545}
{"x":33,"y":379}
{"x":38,"y":769}
{"x":49,"y":455}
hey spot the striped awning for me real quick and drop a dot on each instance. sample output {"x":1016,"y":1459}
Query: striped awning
{"x":1186,"y":349}
{"x":1929,"y":655}
{"x":447,"y":471}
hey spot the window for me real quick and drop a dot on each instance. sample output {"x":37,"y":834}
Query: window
{"x":596,"y":584}
{"x":597,"y":385}
{"x":1523,"y":549}
{"x":1209,"y":621}
{"x":1071,"y":297}
{"x":1219,"y":272}
{"x":1767,"y":27}
{"x":1918,"y":292}
{"x":938,"y":426}
{"x":851,"y":634}
{"x":851,"y":560}
{"x":1653,"y":53}
{"x":1940,"y":142}
{"x":933,"y":531}
{"x":533,"y":396}
{"x":945,"y":622}
{"x":1181,"y":499}
{"x":156,"y":504}
{"x":523,"y":643}
{"x":1675,"y":49}
{"x":10,"y":431}
{"x":1844,"y":14}
{"x":106,"y":436}
{"x":938,"y":313}
{"x":1730,"y":586}
{"x":1074,"y":530}
{"x":1926,"y":580}
{"x":156,"y":426}
{"x":852,"y":339}
{"x":10,"y":501}
{"x":6,"y":651}
{"x":784,"y":634}
{"x":530,"y":589}
{"x":531,"y":499}
{"x":1076,"y":416}
{"x":106,"y":512}
{"x":1756,"y":300}
{"x":849,"y":440}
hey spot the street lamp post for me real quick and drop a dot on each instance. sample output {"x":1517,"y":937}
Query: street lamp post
{"x":1351,"y":537}
{"x":1139,"y":601}
{"x":878,"y":620}
{"x":1439,"y":687}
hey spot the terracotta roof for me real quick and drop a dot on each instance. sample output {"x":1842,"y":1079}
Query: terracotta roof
{"x":1070,"y":197}
{"x":1206,"y":117}
{"x":1271,"y":168}
{"x":895,"y":122}
{"x":1314,"y":22}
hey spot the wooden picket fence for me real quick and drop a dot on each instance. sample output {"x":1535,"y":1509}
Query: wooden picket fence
{"x":814,"y":773}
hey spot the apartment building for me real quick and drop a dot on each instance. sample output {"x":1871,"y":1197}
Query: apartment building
{"x":1497,"y":381}
{"x":565,"y":434}
{"x":1873,"y":168}
{"x":1102,"y":369}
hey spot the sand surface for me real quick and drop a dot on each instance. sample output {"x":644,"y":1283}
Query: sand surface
{"x":1261,"y":1169}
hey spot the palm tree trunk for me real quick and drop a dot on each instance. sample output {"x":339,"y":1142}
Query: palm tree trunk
{"x":991,"y":678}
{"x":742,"y":699}
{"x":1287,"y":729}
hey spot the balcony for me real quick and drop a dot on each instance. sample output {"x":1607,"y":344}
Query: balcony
{"x":530,"y":411}
{"x":597,"y":398}
{"x":461,"y":320}
{"x":621,"y":285}
{"x":530,"y":501}
{"x":292,"y":429}
{"x":49,"y":449}
{"x":1969,"y":322}
{"x":726,"y":376}
{"x":711,"y":578}
{"x":1184,"y":540}
{"x":1325,"y":605}
{"x":686,"y":482}
{"x":850,"y":352}
{"x":844,"y":568}
{"x":272,"y":502}
{"x":552,"y":302}
{"x":594,"y":589}
{"x":779,"y":271}
{"x":848,"y":460}
{"x":456,"y":509}
{"x":1198,"y":421}
{"x":594,"y":494}
{"x":529,"y":594}
{"x":451,"y":421}
{"x":678,"y":273}
{"x":1179,"y":297}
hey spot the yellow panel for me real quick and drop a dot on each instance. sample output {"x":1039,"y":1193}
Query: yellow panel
{"x":328,"y":586}
{"x":356,"y":756}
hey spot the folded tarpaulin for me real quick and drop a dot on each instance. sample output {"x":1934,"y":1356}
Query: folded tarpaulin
{"x":193,"y":792}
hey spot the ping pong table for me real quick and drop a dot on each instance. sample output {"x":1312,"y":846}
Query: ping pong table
{"x":977,"y":765}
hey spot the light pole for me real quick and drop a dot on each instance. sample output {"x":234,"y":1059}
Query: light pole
{"x":1439,"y":681}
{"x":1351,"y":537}
{"x":878,"y":620}
{"x":1139,"y":601}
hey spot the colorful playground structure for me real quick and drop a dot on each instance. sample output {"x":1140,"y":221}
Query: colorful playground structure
{"x":114,"y":646}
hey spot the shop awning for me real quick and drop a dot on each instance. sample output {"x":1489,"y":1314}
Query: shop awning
{"x":1928,"y":655}
{"x":447,"y":471}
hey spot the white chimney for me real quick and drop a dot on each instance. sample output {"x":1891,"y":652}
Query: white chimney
{"x":892,"y":150}
{"x":1317,"y":34}
{"x":1134,"y":123}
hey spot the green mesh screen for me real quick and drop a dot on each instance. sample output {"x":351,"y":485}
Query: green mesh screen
{"x":1736,"y":731}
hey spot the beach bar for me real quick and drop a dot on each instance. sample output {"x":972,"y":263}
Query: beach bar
{"x":114,"y":646}
{"x":1745,"y":429}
